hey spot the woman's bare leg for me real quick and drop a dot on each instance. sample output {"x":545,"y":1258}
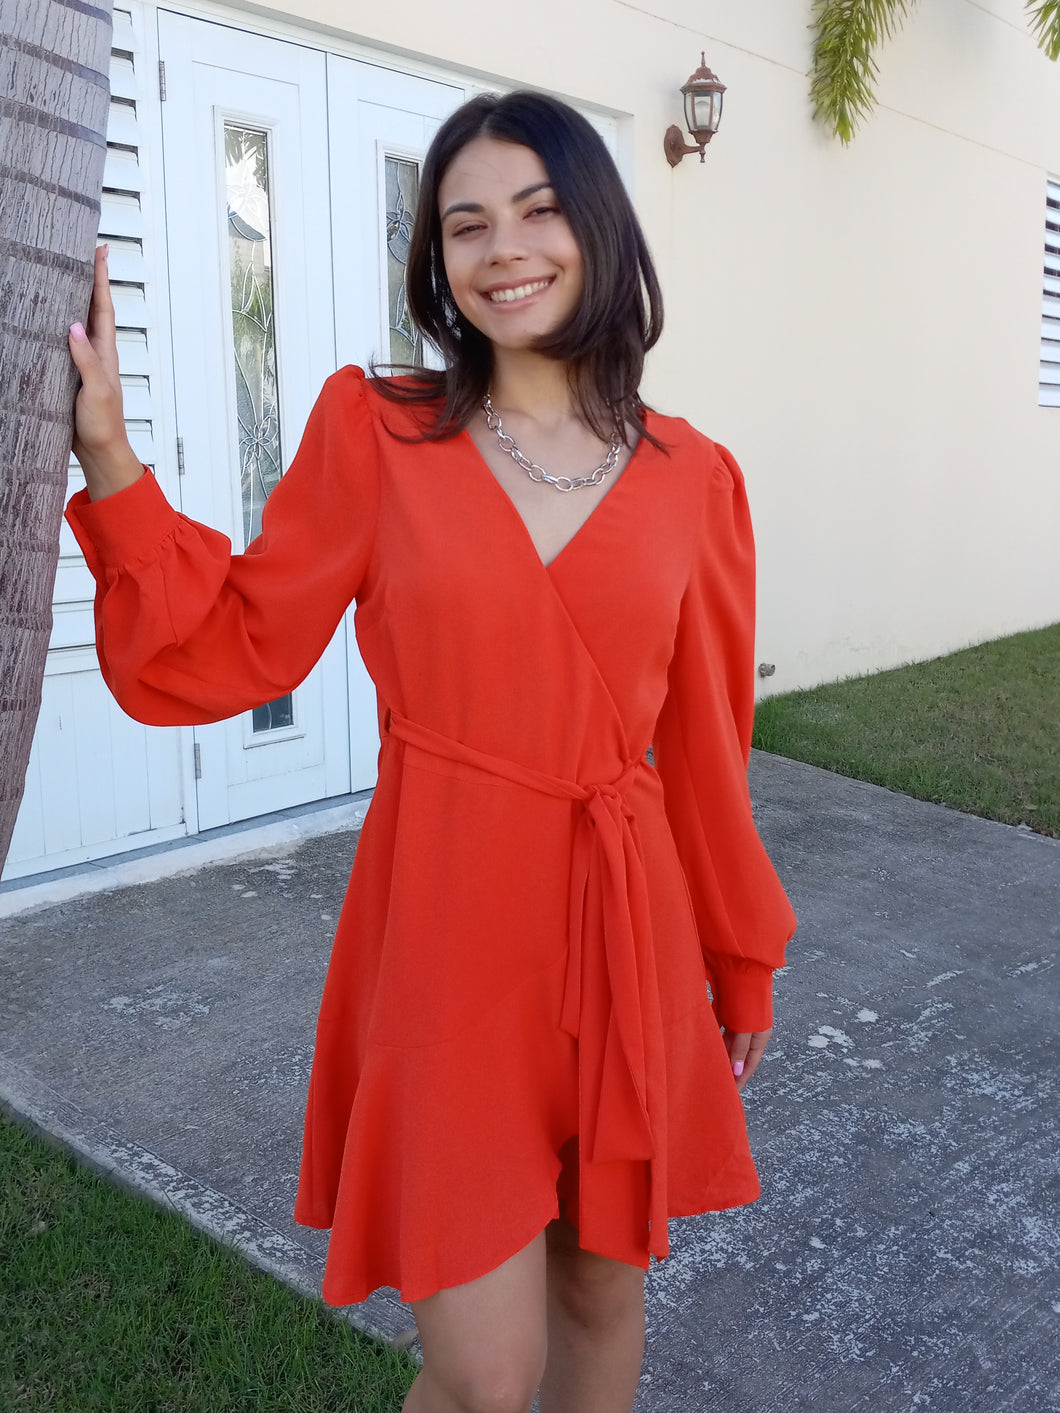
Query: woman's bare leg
{"x":484,"y":1343}
{"x":595,"y":1328}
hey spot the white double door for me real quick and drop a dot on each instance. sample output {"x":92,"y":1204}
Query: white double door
{"x":289,"y":177}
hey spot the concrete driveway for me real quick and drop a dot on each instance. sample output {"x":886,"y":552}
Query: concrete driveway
{"x":905,"y":1257}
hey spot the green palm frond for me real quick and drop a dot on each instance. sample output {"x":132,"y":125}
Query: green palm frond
{"x":847,"y":34}
{"x":844,"y":70}
{"x":1045,"y":22}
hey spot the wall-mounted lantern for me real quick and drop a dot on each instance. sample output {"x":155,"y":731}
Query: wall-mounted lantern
{"x":703,"y":99}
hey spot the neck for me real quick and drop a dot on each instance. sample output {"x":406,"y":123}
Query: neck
{"x":524,"y":381}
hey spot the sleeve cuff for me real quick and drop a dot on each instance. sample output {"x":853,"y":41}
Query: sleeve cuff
{"x":742,"y":992}
{"x":127,"y":526}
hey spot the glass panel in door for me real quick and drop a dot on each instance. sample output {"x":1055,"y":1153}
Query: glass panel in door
{"x":402,"y":177}
{"x":257,"y":407}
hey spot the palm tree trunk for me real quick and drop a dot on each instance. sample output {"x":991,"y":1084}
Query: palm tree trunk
{"x":54,"y":100}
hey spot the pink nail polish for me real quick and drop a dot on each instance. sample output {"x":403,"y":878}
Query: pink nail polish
{"x":737,"y":1068}
{"x":78,"y":331}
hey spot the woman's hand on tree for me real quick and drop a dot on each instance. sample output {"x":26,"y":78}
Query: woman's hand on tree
{"x":745,"y":1049}
{"x":100,"y":442}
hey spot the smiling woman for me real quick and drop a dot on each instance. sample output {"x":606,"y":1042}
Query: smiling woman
{"x":520,"y":1073}
{"x":536,"y":166}
{"x":491,"y":231}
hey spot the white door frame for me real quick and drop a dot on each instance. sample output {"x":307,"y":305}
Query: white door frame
{"x":217,"y":74}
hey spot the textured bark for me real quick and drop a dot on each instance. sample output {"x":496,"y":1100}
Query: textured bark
{"x":54,"y":100}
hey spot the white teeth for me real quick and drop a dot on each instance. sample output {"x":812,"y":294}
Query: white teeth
{"x":505,"y":296}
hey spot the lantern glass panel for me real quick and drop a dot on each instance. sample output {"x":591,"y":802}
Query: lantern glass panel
{"x":690,"y":112}
{"x":706,"y":110}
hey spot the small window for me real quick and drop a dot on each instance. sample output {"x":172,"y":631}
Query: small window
{"x":1049,"y":376}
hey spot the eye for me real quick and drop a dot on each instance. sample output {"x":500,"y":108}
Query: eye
{"x":467,"y":228}
{"x":542,"y":210}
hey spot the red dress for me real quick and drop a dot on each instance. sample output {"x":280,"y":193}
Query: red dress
{"x":516,"y":1013}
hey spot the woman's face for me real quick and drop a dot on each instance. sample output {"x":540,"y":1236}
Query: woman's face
{"x":511,"y":258}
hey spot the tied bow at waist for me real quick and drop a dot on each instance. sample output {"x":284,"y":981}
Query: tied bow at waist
{"x":610,"y":995}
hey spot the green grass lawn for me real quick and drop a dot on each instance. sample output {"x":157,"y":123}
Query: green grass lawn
{"x":978,"y":730}
{"x":109,"y":1305}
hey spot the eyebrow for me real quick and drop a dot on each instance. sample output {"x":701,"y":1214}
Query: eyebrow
{"x":475,"y":207}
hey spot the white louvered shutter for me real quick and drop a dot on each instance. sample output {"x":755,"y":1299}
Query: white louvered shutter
{"x":98,"y":782}
{"x":1049,"y":375}
{"x":122,"y":222}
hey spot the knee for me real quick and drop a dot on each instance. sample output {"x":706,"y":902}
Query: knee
{"x":595,"y":1293}
{"x":494,"y":1384}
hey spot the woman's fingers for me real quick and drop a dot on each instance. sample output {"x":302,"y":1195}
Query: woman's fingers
{"x":745,"y":1050}
{"x":99,"y":336}
{"x":99,"y":423}
{"x":85,"y":357}
{"x":95,"y":349}
{"x":101,"y":330}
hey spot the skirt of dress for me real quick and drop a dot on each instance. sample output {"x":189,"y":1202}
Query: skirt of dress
{"x":443,"y":1114}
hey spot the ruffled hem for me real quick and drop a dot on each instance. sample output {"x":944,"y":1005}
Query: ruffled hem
{"x":435,"y":1163}
{"x":432,"y":1165}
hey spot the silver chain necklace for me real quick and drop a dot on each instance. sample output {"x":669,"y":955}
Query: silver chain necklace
{"x":538,"y":473}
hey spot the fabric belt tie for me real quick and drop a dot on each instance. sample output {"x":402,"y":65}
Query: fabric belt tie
{"x":610,"y":994}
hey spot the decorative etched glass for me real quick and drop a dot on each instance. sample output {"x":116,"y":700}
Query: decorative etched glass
{"x":253,"y":327}
{"x":254,"y":336}
{"x":402,"y":193}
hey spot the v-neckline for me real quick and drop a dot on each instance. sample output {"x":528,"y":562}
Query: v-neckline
{"x":548,"y":565}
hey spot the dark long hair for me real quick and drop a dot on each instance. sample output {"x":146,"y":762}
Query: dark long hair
{"x":619,"y":316}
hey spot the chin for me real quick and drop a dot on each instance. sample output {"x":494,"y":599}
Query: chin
{"x":523,"y":338}
{"x":521,"y":342}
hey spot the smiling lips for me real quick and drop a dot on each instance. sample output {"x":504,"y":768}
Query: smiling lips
{"x":508,"y":296}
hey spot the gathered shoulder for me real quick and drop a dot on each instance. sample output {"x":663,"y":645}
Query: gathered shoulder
{"x":694,"y":450}
{"x":343,"y":395}
{"x":352,"y":384}
{"x":349,"y":398}
{"x":348,"y":384}
{"x":405,"y":420}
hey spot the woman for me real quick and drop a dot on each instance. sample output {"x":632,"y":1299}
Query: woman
{"x":519,"y":1076}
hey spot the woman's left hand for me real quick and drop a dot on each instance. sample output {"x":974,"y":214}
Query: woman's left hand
{"x":745,"y":1050}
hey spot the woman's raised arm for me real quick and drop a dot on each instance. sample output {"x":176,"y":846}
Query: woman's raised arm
{"x":186,"y":631}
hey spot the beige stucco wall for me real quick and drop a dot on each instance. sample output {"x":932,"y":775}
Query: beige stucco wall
{"x":860,"y":325}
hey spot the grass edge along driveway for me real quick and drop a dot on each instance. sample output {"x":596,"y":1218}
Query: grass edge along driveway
{"x":978,"y":730}
{"x":112,"y":1305}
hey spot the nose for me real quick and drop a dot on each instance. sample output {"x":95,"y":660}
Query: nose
{"x":507,"y":242}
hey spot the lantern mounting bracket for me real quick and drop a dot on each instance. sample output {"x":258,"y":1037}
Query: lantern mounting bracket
{"x":675,"y":146}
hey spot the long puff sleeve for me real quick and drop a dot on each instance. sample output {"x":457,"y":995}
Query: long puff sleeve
{"x":186,"y":631}
{"x":702,"y":747}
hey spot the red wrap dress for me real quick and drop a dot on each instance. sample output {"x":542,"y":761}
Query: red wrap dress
{"x":516,"y":1018}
